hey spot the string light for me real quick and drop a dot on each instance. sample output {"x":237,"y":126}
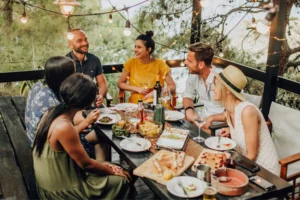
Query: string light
{"x":127,"y":31}
{"x":24,"y":18}
{"x":110,"y":19}
{"x":182,"y":63}
{"x":221,"y":54}
{"x":70,"y":35}
{"x":66,"y":6}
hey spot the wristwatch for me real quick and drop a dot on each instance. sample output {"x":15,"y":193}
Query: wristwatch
{"x":189,"y":107}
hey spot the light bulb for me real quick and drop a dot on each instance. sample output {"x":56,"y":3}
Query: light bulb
{"x":127,"y":32}
{"x":262,"y":27}
{"x":204,"y":3}
{"x":221,"y":54}
{"x":23,"y":19}
{"x":110,"y":19}
{"x":67,"y":9}
{"x":70,"y":36}
{"x":182,"y":64}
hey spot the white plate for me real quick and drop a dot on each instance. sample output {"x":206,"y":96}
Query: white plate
{"x":212,"y":143}
{"x":130,"y":144}
{"x":123,"y":106}
{"x":173,"y":116}
{"x":176,"y":190}
{"x":172,"y":143}
{"x":115,"y":118}
{"x":106,"y":111}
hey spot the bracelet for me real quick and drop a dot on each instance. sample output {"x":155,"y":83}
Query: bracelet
{"x":189,"y":107}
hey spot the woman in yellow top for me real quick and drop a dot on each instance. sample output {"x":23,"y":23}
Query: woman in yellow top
{"x":142,"y":70}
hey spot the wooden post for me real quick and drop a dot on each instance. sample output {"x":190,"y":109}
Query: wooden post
{"x":196,"y":25}
{"x":270,"y":87}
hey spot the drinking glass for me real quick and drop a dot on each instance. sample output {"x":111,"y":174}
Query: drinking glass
{"x":210,"y":193}
{"x":231,"y":159}
{"x":199,"y":119}
{"x":166,"y":99}
{"x":203,"y":172}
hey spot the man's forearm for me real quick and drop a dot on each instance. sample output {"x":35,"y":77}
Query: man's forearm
{"x":187,"y":102}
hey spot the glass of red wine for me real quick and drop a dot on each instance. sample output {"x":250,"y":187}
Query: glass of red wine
{"x":230,"y":159}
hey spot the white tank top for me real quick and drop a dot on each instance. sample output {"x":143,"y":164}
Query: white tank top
{"x":267,"y":155}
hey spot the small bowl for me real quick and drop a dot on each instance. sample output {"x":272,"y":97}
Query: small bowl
{"x":235,"y":187}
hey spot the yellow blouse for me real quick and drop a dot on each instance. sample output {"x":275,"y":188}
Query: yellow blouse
{"x":144,"y":75}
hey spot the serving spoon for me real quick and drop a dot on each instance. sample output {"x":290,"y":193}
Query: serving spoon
{"x":225,"y":178}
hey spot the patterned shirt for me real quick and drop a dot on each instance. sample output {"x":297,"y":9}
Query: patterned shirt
{"x":39,"y":100}
{"x":196,"y":86}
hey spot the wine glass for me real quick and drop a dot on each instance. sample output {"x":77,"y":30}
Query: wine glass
{"x":166,"y":98}
{"x":199,"y":119}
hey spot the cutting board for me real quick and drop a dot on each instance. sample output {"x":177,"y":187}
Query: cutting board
{"x":148,"y":170}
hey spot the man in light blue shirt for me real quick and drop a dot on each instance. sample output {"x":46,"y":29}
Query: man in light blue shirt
{"x":200,"y":81}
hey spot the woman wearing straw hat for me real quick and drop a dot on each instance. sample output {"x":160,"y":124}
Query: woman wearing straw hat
{"x":247,"y":125}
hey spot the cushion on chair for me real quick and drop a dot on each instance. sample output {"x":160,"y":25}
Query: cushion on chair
{"x":255,"y":99}
{"x":286,"y":128}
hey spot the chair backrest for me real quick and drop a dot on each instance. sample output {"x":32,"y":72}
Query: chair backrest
{"x":286,"y":132}
{"x":255,"y":99}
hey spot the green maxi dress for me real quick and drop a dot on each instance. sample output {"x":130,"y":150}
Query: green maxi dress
{"x":59,"y":177}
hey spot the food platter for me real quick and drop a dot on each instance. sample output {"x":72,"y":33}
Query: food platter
{"x":108,"y":119}
{"x":173,"y":138}
{"x":214,"y":159}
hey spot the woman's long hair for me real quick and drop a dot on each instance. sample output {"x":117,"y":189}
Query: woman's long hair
{"x":77,"y":91}
{"x":57,"y":69}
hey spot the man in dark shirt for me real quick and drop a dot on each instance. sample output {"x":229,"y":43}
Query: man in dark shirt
{"x":87,"y":63}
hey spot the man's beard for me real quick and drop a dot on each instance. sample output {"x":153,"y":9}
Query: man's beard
{"x":78,"y":50}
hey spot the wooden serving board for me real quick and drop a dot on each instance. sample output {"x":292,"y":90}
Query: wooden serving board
{"x":148,"y":170}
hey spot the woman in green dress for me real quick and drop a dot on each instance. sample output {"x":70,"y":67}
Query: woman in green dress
{"x":63,"y":169}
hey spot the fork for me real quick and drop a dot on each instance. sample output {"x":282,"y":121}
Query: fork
{"x":179,"y":183}
{"x":219,"y":138}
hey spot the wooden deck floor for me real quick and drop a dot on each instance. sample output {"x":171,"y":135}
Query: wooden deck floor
{"x":143,"y":191}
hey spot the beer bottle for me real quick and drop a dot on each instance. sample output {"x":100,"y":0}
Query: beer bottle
{"x":156,"y":91}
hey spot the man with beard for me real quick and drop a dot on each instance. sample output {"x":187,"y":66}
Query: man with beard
{"x":87,"y":63}
{"x":200,"y":81}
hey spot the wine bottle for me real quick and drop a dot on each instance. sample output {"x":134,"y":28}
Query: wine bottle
{"x":156,"y":91}
{"x":141,"y":113}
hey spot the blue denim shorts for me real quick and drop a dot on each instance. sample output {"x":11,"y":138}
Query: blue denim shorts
{"x":88,"y":146}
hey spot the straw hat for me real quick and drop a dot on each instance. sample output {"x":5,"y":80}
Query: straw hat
{"x":234,"y":80}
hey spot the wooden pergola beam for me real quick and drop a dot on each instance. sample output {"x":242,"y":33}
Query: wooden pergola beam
{"x":270,"y":87}
{"x":196,"y":22}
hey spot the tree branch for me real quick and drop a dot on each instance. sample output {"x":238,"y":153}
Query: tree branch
{"x":295,"y":50}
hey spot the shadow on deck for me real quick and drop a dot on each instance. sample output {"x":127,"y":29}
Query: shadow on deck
{"x":143,"y":191}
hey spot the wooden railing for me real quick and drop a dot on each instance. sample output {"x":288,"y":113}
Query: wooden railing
{"x":256,"y":74}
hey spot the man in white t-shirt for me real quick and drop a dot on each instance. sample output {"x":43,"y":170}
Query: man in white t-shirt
{"x":200,"y":81}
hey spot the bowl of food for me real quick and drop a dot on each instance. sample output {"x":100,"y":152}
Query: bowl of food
{"x":121,"y":129}
{"x":150,"y":129}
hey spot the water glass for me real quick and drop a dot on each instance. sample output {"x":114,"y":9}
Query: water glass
{"x":203,"y":172}
{"x":199,"y":117}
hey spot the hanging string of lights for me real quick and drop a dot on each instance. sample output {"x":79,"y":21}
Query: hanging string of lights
{"x":67,"y":9}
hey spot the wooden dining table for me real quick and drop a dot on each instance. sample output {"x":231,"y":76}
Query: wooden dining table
{"x":135,"y":159}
